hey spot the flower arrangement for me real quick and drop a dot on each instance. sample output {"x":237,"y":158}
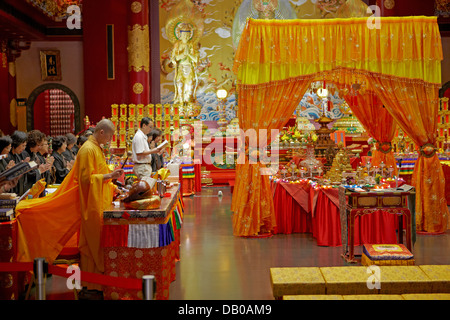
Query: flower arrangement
{"x":291,"y":134}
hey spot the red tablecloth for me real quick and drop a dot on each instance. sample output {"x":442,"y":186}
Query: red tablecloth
{"x":446,"y":169}
{"x":135,"y":262}
{"x":354,"y":161}
{"x":300,"y":208}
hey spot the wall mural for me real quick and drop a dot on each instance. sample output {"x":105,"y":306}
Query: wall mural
{"x":223,"y":21}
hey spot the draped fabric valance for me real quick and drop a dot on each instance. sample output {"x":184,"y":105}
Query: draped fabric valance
{"x":400,"y":63}
{"x":404,"y":47}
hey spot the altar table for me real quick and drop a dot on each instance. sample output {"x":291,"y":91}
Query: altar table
{"x":302,"y":208}
{"x":354,"y":204}
{"x":143,"y":242}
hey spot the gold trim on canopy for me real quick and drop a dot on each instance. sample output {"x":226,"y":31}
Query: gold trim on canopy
{"x":404,"y":47}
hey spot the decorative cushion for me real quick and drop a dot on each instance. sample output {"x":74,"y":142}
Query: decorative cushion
{"x":314,"y":297}
{"x":347,"y":280}
{"x":365,"y":261}
{"x":440,"y":277}
{"x":295,"y":281}
{"x":427,"y":296}
{"x":373,"y":297}
{"x":403,"y":280}
{"x":387,"y":252}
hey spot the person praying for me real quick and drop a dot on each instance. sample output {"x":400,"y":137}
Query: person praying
{"x":45,"y":225}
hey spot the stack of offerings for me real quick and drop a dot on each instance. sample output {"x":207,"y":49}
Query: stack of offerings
{"x":8,"y":202}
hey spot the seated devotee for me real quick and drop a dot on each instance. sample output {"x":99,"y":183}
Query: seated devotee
{"x":76,"y":206}
{"x":44,"y":157}
{"x":62,"y":167}
{"x":34,"y":141}
{"x":81,"y":139}
{"x":71,"y":140}
{"x":5,"y":148}
{"x":157,"y":158}
{"x":18,"y":145}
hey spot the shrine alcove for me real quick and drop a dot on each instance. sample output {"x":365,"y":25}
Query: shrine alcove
{"x":53,"y":109}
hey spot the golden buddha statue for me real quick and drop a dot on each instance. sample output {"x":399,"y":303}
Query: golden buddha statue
{"x":185,"y":58}
{"x":184,"y":28}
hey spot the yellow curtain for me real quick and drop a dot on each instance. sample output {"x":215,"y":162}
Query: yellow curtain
{"x":401,"y":60}
{"x":378,"y":123}
{"x":415,"y":107}
{"x":268,"y":107}
{"x":405,"y":47}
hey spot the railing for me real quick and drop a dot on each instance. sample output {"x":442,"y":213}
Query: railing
{"x":41,"y":268}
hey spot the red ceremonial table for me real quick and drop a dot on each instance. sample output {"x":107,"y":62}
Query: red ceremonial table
{"x":11,"y":283}
{"x":302,"y":208}
{"x":374,"y":203}
{"x":143,"y":242}
{"x":446,"y":169}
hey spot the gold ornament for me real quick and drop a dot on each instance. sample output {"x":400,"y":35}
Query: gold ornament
{"x":138,"y":48}
{"x":389,"y":4}
{"x":138,"y":88}
{"x":136,"y":7}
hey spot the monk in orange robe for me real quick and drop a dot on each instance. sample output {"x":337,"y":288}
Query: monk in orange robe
{"x":46,"y":224}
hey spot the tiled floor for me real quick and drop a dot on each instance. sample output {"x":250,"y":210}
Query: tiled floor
{"x":216,"y":265}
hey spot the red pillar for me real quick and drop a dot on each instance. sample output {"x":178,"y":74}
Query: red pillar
{"x":8,"y":89}
{"x":138,"y":52}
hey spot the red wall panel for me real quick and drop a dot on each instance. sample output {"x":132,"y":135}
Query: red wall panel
{"x":100,"y":92}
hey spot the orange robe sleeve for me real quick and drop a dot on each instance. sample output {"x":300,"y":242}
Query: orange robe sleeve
{"x":95,"y":195}
{"x":46,"y":224}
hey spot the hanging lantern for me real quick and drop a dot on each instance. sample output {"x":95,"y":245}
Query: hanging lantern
{"x":322,"y":93}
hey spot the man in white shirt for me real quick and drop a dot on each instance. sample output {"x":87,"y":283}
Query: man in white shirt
{"x":141,"y":151}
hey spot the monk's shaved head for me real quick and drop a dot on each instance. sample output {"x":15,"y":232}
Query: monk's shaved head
{"x":104,"y":131}
{"x":105,"y":125}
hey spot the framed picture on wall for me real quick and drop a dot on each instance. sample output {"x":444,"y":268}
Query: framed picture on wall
{"x":50,"y":65}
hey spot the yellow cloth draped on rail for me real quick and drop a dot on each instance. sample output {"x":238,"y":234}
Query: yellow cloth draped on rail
{"x":400,"y":62}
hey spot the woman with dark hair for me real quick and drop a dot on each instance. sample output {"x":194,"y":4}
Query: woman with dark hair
{"x":5,"y":148}
{"x":157,"y":158}
{"x":80,"y":141}
{"x":43,"y":155}
{"x":68,"y":154}
{"x":19,"y":142}
{"x":34,"y":141}
{"x":62,"y":167}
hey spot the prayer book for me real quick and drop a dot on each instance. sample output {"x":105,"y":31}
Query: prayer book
{"x":18,"y":170}
{"x":162,"y":145}
{"x":6,"y":214}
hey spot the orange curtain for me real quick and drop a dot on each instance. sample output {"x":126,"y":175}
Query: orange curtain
{"x":378,"y":123}
{"x":414,"y":105}
{"x":401,"y":60}
{"x":267,"y":106}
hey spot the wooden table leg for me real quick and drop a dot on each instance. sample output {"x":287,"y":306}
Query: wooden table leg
{"x":351,"y":237}
{"x":408,"y":230}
